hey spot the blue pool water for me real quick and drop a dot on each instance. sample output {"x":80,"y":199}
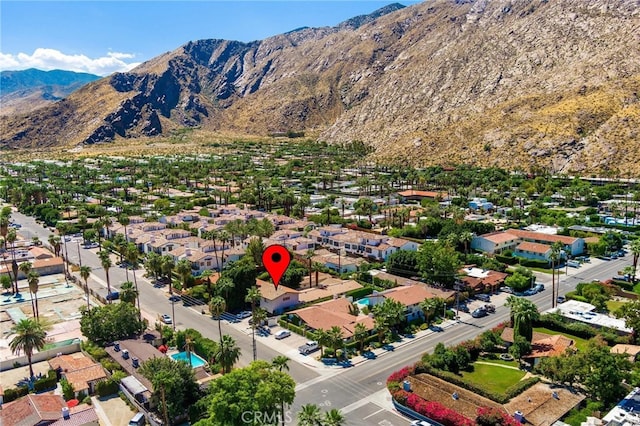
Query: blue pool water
{"x":196,"y":361}
{"x":364,"y":301}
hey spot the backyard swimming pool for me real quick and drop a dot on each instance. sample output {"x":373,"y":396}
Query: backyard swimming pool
{"x":196,"y":361}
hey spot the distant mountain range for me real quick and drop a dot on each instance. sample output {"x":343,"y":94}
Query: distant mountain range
{"x":27,"y":90}
{"x":511,"y":83}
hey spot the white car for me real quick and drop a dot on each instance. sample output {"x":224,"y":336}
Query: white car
{"x":167,"y":319}
{"x":282,"y":334}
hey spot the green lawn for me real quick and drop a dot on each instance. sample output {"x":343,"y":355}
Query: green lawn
{"x":614,"y":305}
{"x":493,"y":378}
{"x":579,"y":342}
{"x":497,"y":360}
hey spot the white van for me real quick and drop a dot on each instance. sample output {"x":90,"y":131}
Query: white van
{"x":137,"y":420}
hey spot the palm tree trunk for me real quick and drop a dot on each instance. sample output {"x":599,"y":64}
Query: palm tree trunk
{"x":135,"y":283}
{"x":35,"y":295}
{"x":31,"y":375}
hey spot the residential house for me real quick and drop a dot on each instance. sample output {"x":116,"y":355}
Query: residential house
{"x":480,"y":204}
{"x":481,"y":280}
{"x":631,"y":351}
{"x":410,"y":296}
{"x":333,"y":313}
{"x":542,"y":345}
{"x":80,"y":371}
{"x":534,"y":251}
{"x":276,"y":301}
{"x":497,"y":242}
{"x":33,"y":410}
{"x":80,"y":415}
{"x":329,"y":287}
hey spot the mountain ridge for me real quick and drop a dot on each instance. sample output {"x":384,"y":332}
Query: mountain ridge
{"x":508,"y":83}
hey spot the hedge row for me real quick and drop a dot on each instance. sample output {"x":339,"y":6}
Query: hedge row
{"x":45,"y":383}
{"x":358,"y":293}
{"x":509,"y":260}
{"x":626,"y":285}
{"x":296,"y":329}
{"x":15,"y":393}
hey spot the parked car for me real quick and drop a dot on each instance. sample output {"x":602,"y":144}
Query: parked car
{"x":490,"y":308}
{"x":530,"y":292}
{"x":464,"y":308}
{"x":244,"y":314}
{"x":573,"y":263}
{"x":561,"y":299}
{"x":539,"y":287}
{"x":483,"y":297}
{"x":174,"y":298}
{"x":91,"y":245}
{"x":506,"y":289}
{"x":479,"y":313}
{"x":282,"y":334}
{"x":308,"y":347}
{"x":166,"y":319}
{"x":114,"y":295}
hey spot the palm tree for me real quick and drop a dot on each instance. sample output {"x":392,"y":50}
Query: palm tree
{"x":223,"y":285}
{"x":217,"y":306}
{"x":281,"y":363}
{"x":132,"y":255}
{"x":29,"y":336}
{"x":183,"y":269}
{"x":322,"y":337}
{"x":166,"y":266}
{"x":128,"y":292}
{"x":105,"y":261}
{"x":34,"y":279}
{"x":25,"y":268}
{"x":11,"y":239}
{"x":85,"y":272}
{"x":206,"y":276}
{"x":360,"y":334}
{"x":309,"y":415}
{"x":253,"y":297}
{"x":429,"y":307}
{"x":333,"y":417}
{"x":336,"y":339}
{"x":523,"y":314}
{"x":554,"y":257}
{"x":153,"y":264}
{"x":635,"y":250}
{"x":228,"y":353}
{"x":54,"y":242}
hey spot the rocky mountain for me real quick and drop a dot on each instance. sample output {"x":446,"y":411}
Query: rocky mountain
{"x":513,"y":83}
{"x":27,"y":90}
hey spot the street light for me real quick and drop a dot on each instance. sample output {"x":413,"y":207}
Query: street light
{"x":173,"y":311}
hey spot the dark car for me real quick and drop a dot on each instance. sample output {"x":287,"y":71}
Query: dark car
{"x":463,"y":308}
{"x":479,"y":313}
{"x":561,"y":299}
{"x":114,"y":295}
{"x":483,"y":297}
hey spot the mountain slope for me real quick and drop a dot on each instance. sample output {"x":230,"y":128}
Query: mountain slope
{"x":514,"y":83}
{"x":27,"y":90}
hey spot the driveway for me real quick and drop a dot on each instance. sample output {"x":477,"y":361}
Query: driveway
{"x":113,"y":411}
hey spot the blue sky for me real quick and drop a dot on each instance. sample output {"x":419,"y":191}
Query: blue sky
{"x":102,"y":37}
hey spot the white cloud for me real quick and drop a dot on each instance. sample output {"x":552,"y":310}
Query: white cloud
{"x":51,"y":59}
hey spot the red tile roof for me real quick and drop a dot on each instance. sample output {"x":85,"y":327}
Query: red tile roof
{"x":408,"y":295}
{"x":426,"y":194}
{"x":550,"y":238}
{"x":32,"y":409}
{"x":533,"y":247}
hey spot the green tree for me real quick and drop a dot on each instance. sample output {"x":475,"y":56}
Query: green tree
{"x":256,"y":388}
{"x":336,"y":339}
{"x":523,"y":313}
{"x":518,"y":281}
{"x":167,"y":265}
{"x":153,"y":264}
{"x":255,"y":248}
{"x":309,"y":415}
{"x":360,"y":334}
{"x":218,"y":306}
{"x":111,"y":322}
{"x":520,"y":347}
{"x":387,"y":315}
{"x":68,"y":393}
{"x":630,"y":312}
{"x":29,"y":336}
{"x":174,"y":383}
{"x":228,"y":353}
{"x":128,"y":292}
{"x":85,"y":273}
{"x":333,"y":417}
{"x":183,"y":269}
{"x":430,"y":307}
{"x":33,"y":279}
{"x":635,"y":250}
{"x":105,"y":261}
{"x":253,"y":297}
{"x":439,"y":263}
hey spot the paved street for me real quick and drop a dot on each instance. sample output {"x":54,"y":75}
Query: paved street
{"x":358,"y":391}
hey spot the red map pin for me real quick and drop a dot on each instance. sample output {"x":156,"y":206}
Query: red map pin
{"x":276,"y":260}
